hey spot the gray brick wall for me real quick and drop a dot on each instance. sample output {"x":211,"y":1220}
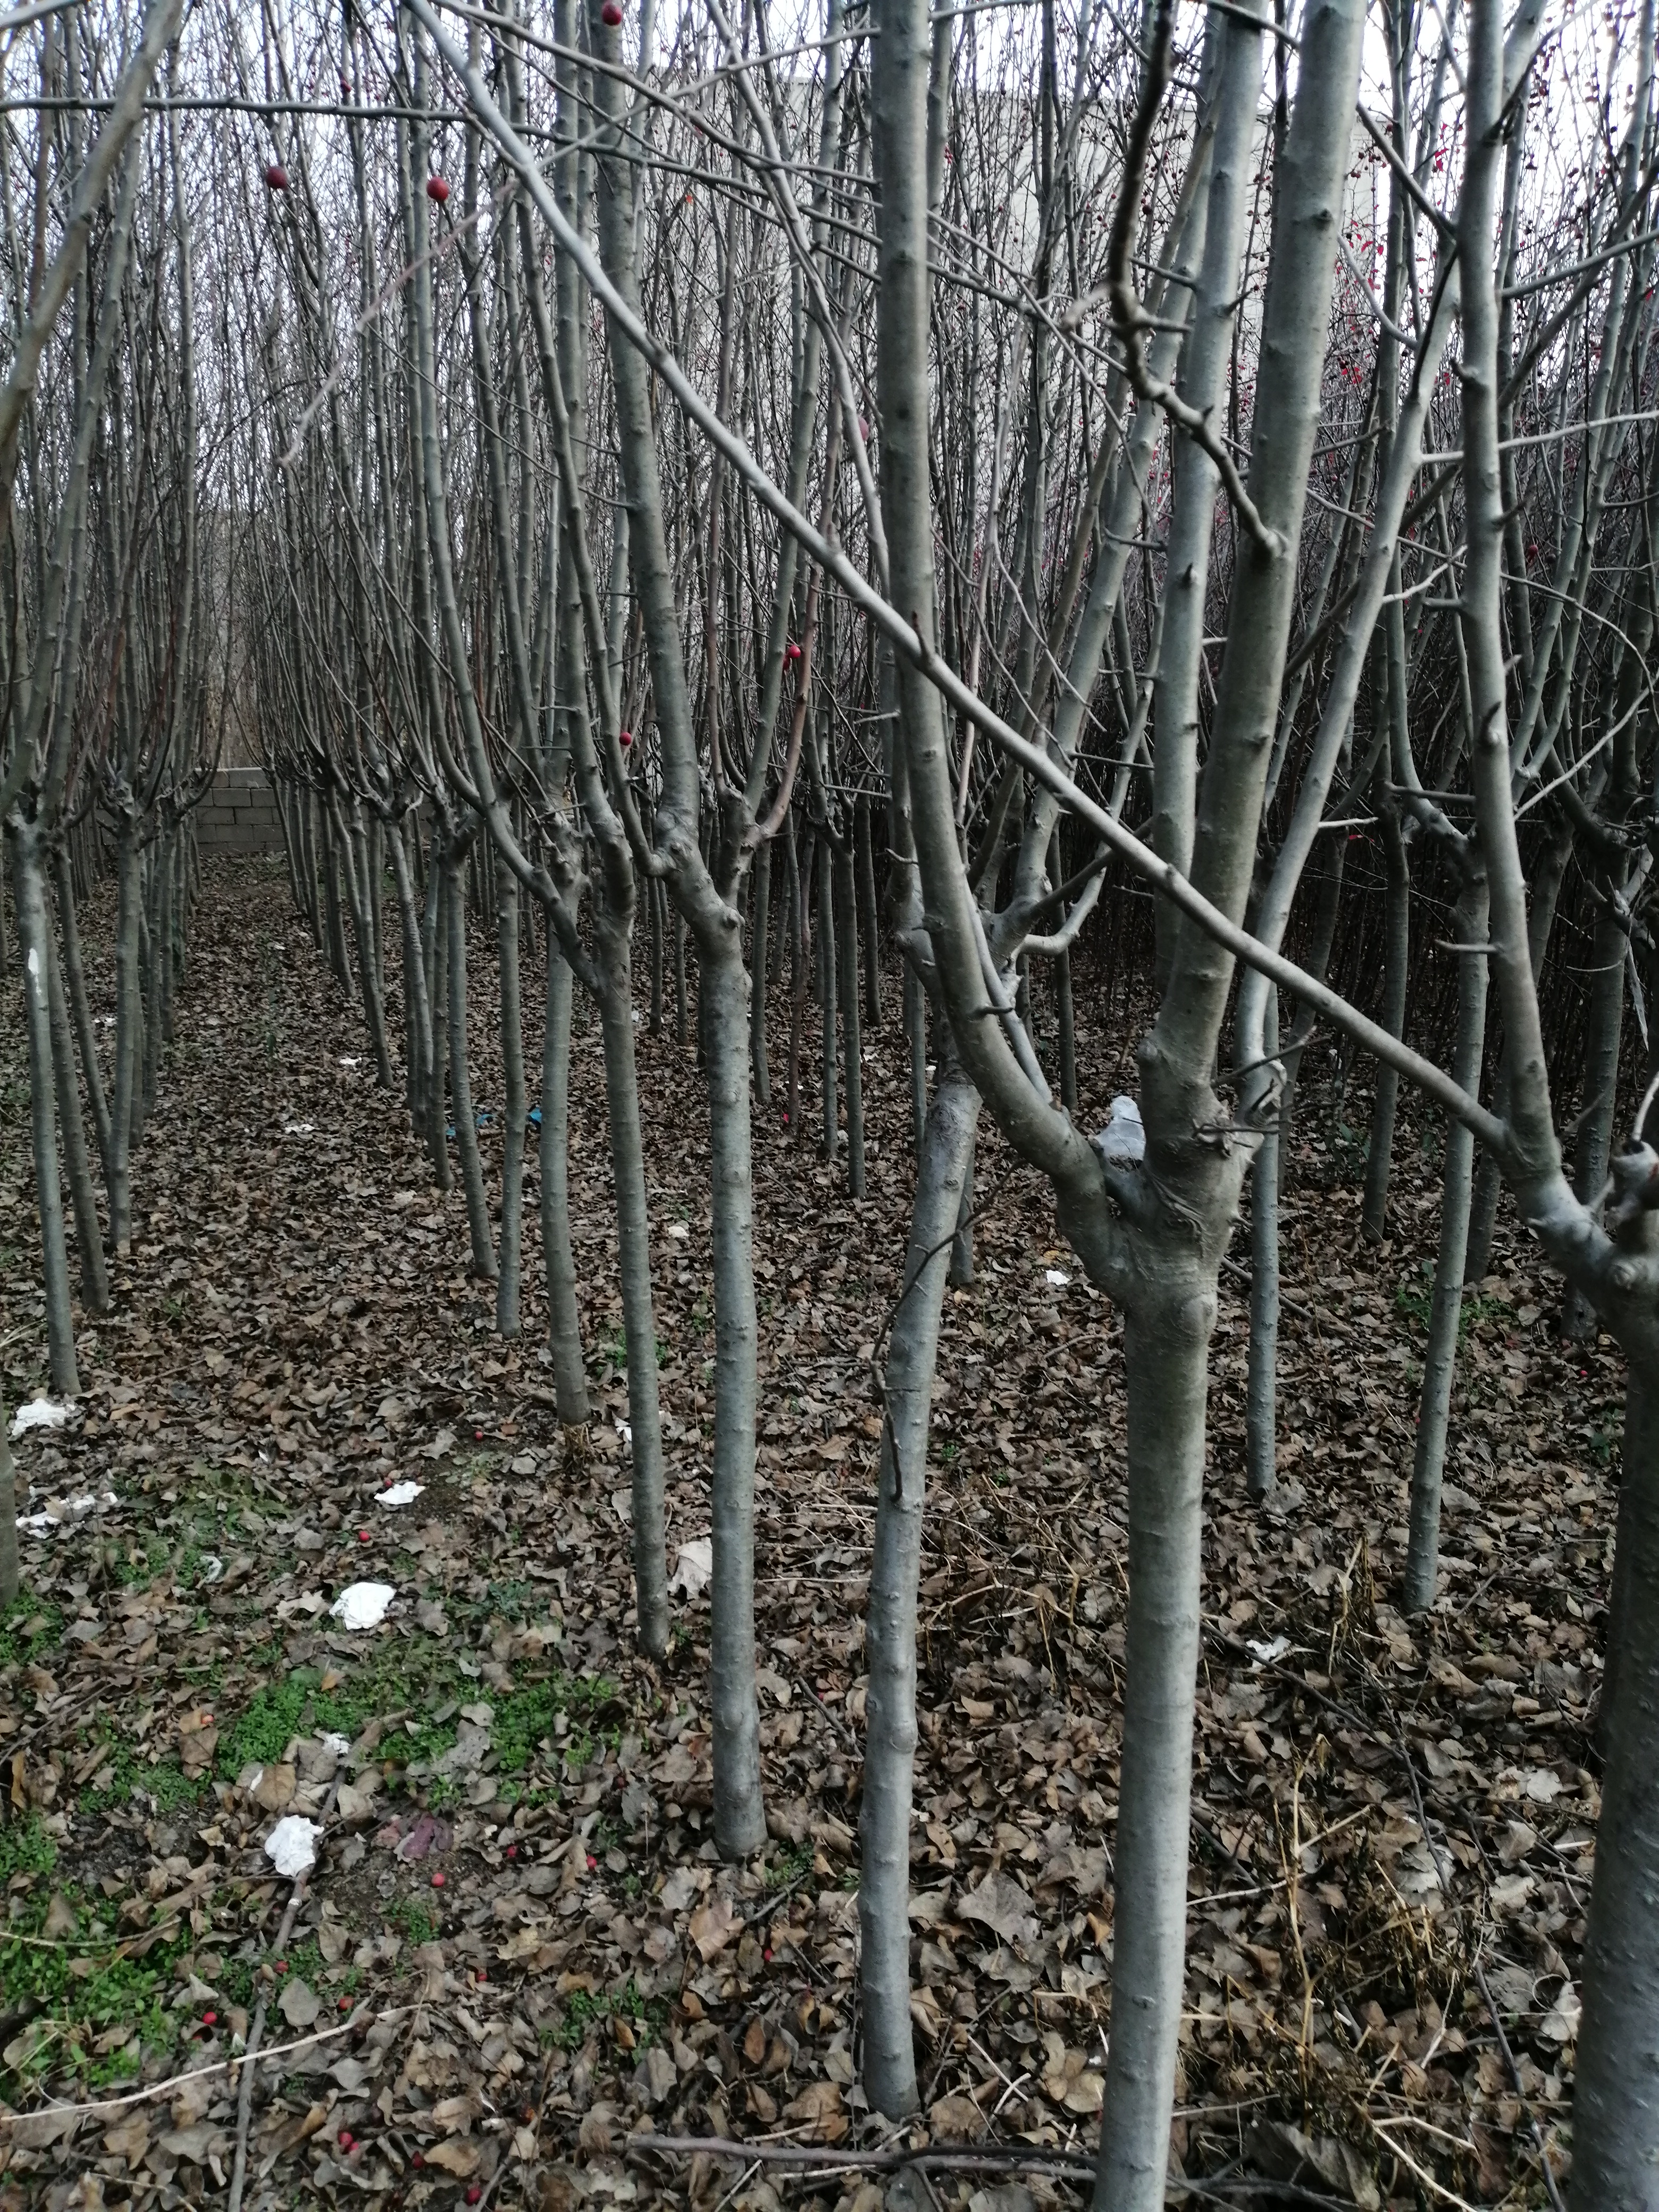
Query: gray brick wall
{"x":239,"y":815}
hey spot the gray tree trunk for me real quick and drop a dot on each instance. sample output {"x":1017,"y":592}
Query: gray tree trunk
{"x":510,"y":1244}
{"x":889,"y":2070}
{"x":564,"y":1337}
{"x":88,"y":1232}
{"x":852,"y":1038}
{"x":460,"y":1081}
{"x":1446,"y":1312}
{"x":35,"y":955}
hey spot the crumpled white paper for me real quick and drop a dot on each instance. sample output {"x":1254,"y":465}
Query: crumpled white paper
{"x":39,"y":1413}
{"x":401,"y":1494}
{"x":694,"y":1568}
{"x":363,"y":1604}
{"x":291,"y":1846}
{"x":64,"y":1512}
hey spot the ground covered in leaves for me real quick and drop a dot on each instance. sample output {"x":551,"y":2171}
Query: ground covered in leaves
{"x":518,"y":1951}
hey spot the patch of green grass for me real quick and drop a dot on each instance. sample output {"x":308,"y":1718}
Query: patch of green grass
{"x":586,"y":2009}
{"x":28,"y":1628}
{"x":415,"y":1917}
{"x":26,"y":1848}
{"x":789,"y":1866}
{"x":166,"y":1783}
{"x":112,"y":1986}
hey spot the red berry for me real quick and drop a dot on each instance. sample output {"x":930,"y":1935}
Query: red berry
{"x":592,"y":1862}
{"x":417,"y":2161}
{"x":282,"y":1965}
{"x":513,"y":1850}
{"x":611,"y":14}
{"x":209,"y":2019}
{"x":437,"y":1881}
{"x":474,"y":2191}
{"x":626,"y":737}
{"x":363,"y":1536}
{"x":478,"y":1436}
{"x":344,"y":2139}
{"x":792,"y":652}
{"x":277,"y":177}
{"x":345,"y":2004}
{"x":437,"y":189}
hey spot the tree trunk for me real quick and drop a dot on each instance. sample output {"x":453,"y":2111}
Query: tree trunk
{"x":1166,"y":1358}
{"x":74,"y":977}
{"x":128,"y":1019}
{"x":852,"y":1038}
{"x":890,"y":2070}
{"x":29,"y":891}
{"x":1261,"y":1384}
{"x":8,"y":1515}
{"x":510,"y":1247}
{"x":869,"y":914}
{"x":829,"y":1104}
{"x":564,"y":1336}
{"x":1446,"y":1314}
{"x":634,"y":1266}
{"x":760,"y":972}
{"x":1615,"y":2115}
{"x":461,"y":1081}
{"x":88,"y":1232}
{"x":739,"y":1817}
{"x":1067,"y":1031}
{"x":1602,"y":1030}
{"x":1396,"y":969}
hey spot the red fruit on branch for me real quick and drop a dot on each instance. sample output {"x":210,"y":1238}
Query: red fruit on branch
{"x":437,"y":188}
{"x":611,"y":14}
{"x":627,"y":737}
{"x":277,"y":177}
{"x":792,"y":651}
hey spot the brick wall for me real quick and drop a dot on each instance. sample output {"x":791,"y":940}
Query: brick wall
{"x":239,"y":815}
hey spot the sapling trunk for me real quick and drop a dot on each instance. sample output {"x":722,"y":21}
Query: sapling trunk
{"x":739,"y":1818}
{"x":869,"y":912}
{"x":128,"y":1018}
{"x":760,"y":972}
{"x":437,"y":1104}
{"x":682,"y":1022}
{"x":1615,"y":2132}
{"x":634,"y":1266}
{"x":8,"y":1514}
{"x":418,"y":1006}
{"x":1446,"y":1313}
{"x":564,"y":1336}
{"x":510,"y":1251}
{"x":916,"y":1032}
{"x":1607,"y":1010}
{"x":1067,"y":1021}
{"x":889,"y":2068}
{"x":830,"y":1103}
{"x":1396,"y":968}
{"x":962,"y":1243}
{"x":1261,"y":1386}
{"x":1165,"y":1355}
{"x":75,"y":978}
{"x":849,"y":949}
{"x":461,"y":1081}
{"x":28,"y":890}
{"x":88,"y":1232}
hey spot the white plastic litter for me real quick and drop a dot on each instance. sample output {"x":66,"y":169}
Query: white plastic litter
{"x":1123,"y":1140}
{"x":401,"y":1494}
{"x":347,"y":1061}
{"x":1265,"y":1655}
{"x":335,"y":1745}
{"x":39,"y":1413}
{"x":298,"y":1128}
{"x":1058,"y":1278}
{"x":363,"y":1604}
{"x":291,"y":1846}
{"x":694,"y":1570}
{"x":64,"y":1512}
{"x":212,"y":1568}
